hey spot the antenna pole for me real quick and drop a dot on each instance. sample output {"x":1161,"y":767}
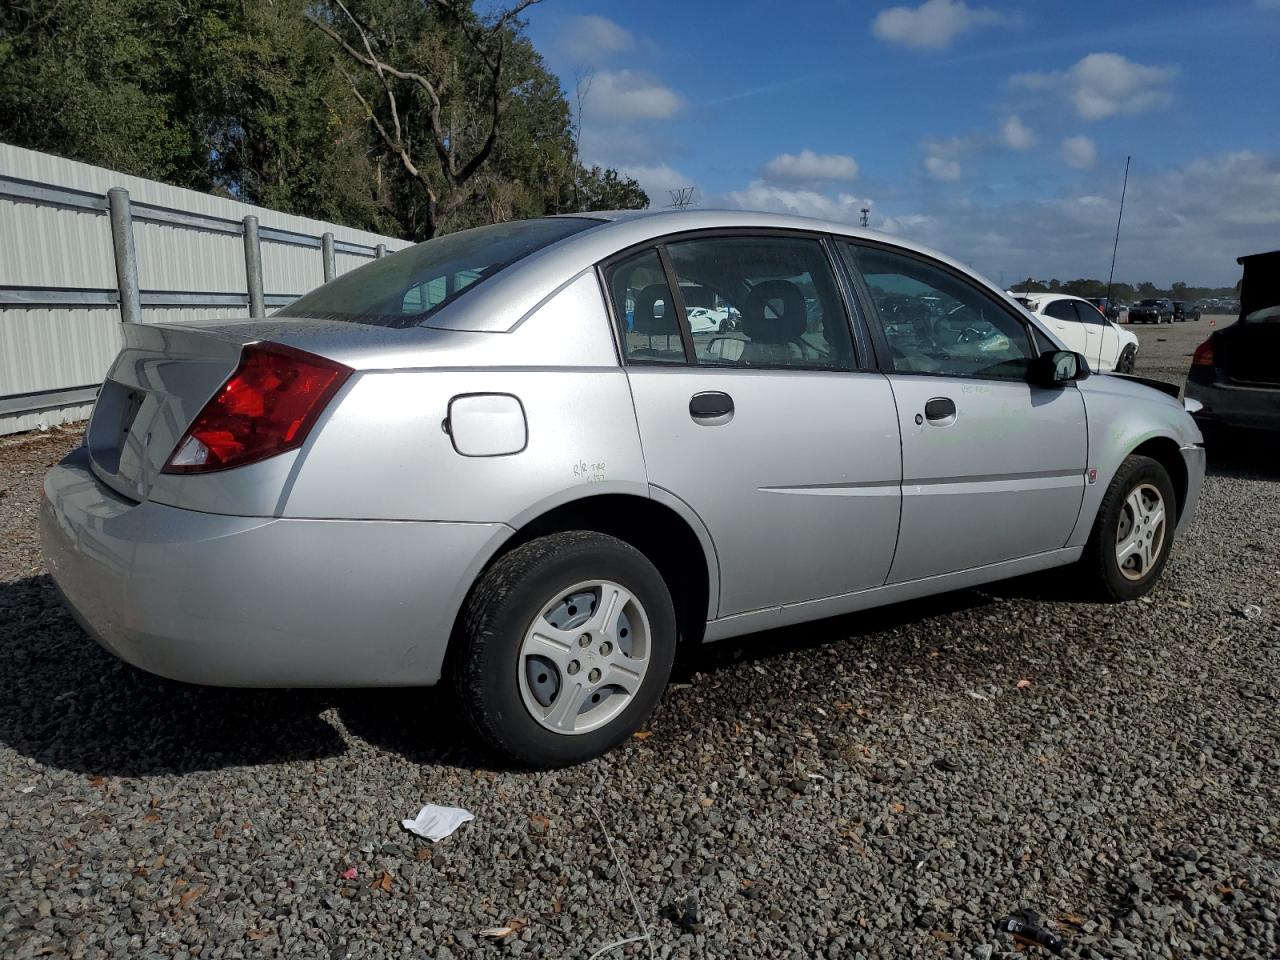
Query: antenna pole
{"x":1111,"y":276}
{"x":681,"y":199}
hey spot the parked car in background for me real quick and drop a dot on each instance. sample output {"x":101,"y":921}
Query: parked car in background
{"x":1235,"y":374}
{"x":1185,"y":311}
{"x":1151,"y":311}
{"x":1085,"y":329}
{"x":1109,"y":309}
{"x":399,"y":478}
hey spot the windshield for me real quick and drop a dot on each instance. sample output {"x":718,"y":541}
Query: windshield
{"x":1149,"y":303}
{"x":405,"y":288}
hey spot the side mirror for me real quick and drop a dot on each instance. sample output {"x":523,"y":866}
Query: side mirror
{"x":1053,"y":368}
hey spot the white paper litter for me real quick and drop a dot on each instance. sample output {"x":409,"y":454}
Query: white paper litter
{"x":436,"y":823}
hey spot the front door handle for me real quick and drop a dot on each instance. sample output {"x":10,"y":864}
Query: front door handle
{"x":711,"y":405}
{"x":940,"y":410}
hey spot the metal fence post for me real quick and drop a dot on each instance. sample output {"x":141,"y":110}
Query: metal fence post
{"x":126,"y":255}
{"x":330,"y":262}
{"x":380,"y":251}
{"x":253,"y":267}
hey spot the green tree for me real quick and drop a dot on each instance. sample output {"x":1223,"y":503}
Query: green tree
{"x":465,"y":108}
{"x":607,"y":190}
{"x":248,"y":99}
{"x":88,"y":80}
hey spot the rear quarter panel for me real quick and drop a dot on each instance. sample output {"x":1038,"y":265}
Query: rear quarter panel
{"x":383,"y":451}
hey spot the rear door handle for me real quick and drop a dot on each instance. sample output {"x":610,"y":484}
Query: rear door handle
{"x":941,"y":410}
{"x":711,"y":405}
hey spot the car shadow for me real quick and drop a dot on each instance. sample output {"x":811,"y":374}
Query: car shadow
{"x":854,"y":627}
{"x":68,"y":703}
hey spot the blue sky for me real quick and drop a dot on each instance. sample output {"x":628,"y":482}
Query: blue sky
{"x":995,"y":132}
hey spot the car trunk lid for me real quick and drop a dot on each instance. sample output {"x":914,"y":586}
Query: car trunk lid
{"x":157,"y":385}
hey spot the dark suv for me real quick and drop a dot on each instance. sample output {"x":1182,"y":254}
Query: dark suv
{"x":1151,"y":311}
{"x":1185,"y":311}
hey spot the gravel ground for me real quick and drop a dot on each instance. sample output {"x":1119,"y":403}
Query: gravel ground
{"x":886,"y":785}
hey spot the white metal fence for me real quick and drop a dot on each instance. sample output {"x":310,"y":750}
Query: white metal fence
{"x":83,"y":248}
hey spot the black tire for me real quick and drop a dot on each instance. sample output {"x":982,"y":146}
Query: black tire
{"x":1098,"y":567}
{"x":1127,"y":358}
{"x":500,"y":609}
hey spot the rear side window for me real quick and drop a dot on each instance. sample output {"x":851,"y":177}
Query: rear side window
{"x":404,"y":289}
{"x":650,"y":333}
{"x":762,"y":302}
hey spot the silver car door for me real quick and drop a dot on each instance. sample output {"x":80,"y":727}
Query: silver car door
{"x":764,"y":425}
{"x":993,"y":467}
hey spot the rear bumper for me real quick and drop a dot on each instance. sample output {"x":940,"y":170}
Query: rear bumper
{"x":258,"y":601}
{"x":1256,"y":408}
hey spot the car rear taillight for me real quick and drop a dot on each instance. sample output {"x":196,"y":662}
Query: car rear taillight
{"x":1203,"y":357}
{"x":267,"y":406}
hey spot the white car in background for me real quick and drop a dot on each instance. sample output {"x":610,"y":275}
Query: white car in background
{"x":1083,"y":328}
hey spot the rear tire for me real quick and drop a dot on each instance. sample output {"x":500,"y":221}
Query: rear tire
{"x":544,"y":631}
{"x":1132,"y":534}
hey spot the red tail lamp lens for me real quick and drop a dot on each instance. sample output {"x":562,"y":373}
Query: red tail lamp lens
{"x":267,"y":406}
{"x":1203,"y":357}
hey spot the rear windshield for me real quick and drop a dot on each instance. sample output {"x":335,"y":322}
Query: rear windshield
{"x":402,"y":290}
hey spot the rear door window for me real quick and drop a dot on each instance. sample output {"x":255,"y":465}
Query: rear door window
{"x":404,"y":289}
{"x":764,"y":301}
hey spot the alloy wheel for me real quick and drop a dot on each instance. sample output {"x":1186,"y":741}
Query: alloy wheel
{"x":1140,"y":532}
{"x":584,"y":657}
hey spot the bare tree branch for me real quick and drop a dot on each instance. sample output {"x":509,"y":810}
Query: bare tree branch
{"x":489,"y":42}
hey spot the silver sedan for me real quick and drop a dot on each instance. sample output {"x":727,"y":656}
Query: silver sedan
{"x":507,"y":458}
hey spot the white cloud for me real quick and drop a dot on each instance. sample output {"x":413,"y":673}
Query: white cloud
{"x":809,"y":167}
{"x":1231,"y":202}
{"x":1016,"y":135}
{"x":590,"y":38}
{"x":1103,"y":84}
{"x":942,"y":157}
{"x":759,"y":195}
{"x":622,"y":95}
{"x":940,"y":168}
{"x":935,"y":24}
{"x":1079,"y":152}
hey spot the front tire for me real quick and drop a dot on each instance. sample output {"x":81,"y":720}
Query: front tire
{"x":1132,"y":533}
{"x":1128,"y":357}
{"x":566,"y":647}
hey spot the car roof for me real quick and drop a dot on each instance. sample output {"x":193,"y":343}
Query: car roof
{"x":503,"y":301}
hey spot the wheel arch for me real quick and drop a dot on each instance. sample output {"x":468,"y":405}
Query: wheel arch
{"x":661,"y":527}
{"x":1166,"y":452}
